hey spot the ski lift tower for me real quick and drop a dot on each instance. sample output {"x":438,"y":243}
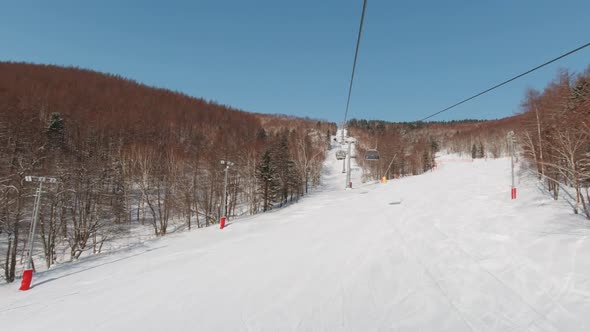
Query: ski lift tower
{"x":28,"y":272}
{"x":343,"y":153}
{"x":348,"y":184}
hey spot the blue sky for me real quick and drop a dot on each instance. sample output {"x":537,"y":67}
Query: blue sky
{"x":295,"y":57}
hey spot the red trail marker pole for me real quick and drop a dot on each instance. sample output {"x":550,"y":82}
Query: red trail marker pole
{"x":511,"y":148}
{"x":227,"y":164}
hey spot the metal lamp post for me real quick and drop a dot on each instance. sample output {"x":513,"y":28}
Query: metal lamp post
{"x":28,"y":272}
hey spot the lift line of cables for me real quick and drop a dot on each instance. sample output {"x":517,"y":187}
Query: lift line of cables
{"x":358,"y":43}
{"x":505,"y":82}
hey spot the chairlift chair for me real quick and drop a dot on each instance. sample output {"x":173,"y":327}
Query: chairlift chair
{"x":372,"y":154}
{"x":340,"y":154}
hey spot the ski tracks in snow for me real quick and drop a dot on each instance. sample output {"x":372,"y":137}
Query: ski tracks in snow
{"x":456,"y":255}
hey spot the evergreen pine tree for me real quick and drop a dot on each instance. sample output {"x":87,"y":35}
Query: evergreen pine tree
{"x":434,"y":148}
{"x":293,"y":180}
{"x":261,"y":134}
{"x":56,"y":130}
{"x":281,"y":159}
{"x":266,"y":175}
{"x":426,"y":161}
{"x":480,"y":151}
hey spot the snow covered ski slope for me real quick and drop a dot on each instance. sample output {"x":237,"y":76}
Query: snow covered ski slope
{"x":456,"y":255}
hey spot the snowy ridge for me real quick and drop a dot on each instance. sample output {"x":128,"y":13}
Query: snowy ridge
{"x":456,"y":255}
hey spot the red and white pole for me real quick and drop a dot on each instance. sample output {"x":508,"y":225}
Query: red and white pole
{"x":511,"y":147}
{"x":223,"y":200}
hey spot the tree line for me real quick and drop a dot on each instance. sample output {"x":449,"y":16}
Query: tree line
{"x":404,"y":148}
{"x":555,"y":135}
{"x":552,"y":133}
{"x":128,"y":154}
{"x":410,"y":148}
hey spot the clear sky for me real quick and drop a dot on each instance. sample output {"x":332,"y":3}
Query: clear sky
{"x":295,"y":57}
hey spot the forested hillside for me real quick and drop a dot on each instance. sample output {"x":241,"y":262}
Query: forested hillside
{"x":410,"y":148}
{"x":552,"y":134}
{"x":128,"y":154}
{"x":555,"y":136}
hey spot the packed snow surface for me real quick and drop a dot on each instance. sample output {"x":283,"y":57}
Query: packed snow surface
{"x":443,"y":251}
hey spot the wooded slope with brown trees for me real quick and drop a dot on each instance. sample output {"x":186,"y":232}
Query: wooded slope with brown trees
{"x":410,"y":148}
{"x":555,"y":136}
{"x":552,"y":133}
{"x":125,"y":153}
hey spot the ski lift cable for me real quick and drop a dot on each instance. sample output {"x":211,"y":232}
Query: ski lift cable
{"x":358,"y":42}
{"x":507,"y":81}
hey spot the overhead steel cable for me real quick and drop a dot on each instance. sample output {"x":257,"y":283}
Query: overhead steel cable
{"x":506,"y":82}
{"x":356,"y":53}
